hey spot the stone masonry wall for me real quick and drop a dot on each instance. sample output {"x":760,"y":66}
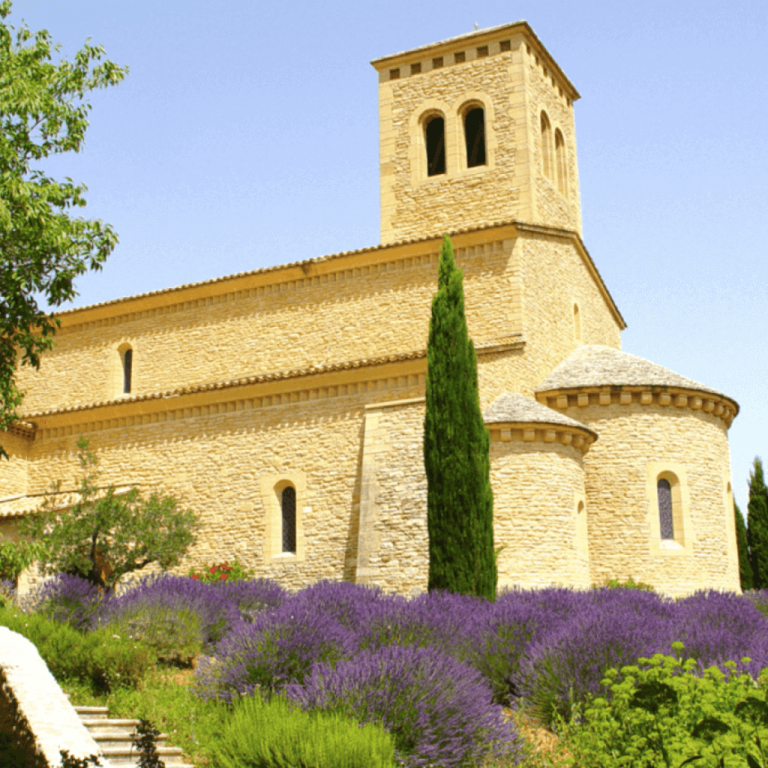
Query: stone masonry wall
{"x":553,"y":208}
{"x":535,"y":490}
{"x":347,"y":314}
{"x":634,"y":440}
{"x":553,"y":276}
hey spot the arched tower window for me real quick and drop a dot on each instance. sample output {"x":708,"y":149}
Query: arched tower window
{"x":288,"y":507}
{"x":474,"y":135}
{"x":546,"y":145}
{"x":127,"y":358}
{"x":666,"y":515}
{"x":562,"y":176}
{"x":576,"y":323}
{"x":434,"y":132}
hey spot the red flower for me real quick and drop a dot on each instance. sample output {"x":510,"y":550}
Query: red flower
{"x":223,"y":576}
{"x":196,"y":576}
{"x":213,"y":569}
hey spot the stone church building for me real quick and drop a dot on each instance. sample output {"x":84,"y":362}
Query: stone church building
{"x":285,"y":405}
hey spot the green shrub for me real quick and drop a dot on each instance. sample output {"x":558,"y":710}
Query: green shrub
{"x":176,"y":637}
{"x":118,"y":661}
{"x":663,"y":714}
{"x":630,"y":583}
{"x":102,"y":659}
{"x":276,"y":734}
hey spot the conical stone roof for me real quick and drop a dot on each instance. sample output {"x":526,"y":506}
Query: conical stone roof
{"x":594,"y":365}
{"x":515,"y":408}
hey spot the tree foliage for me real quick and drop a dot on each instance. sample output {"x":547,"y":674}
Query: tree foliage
{"x":745,"y":567}
{"x":456,"y":449}
{"x":105,"y":534}
{"x":757,"y":526}
{"x":43,"y":247}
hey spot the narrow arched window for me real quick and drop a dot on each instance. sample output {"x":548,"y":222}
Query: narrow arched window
{"x":546,"y":145}
{"x":127,"y":370}
{"x":435,"y":139}
{"x":576,"y":323}
{"x":474,"y":135}
{"x":288,"y":505}
{"x":562,"y":176}
{"x":666,"y":524}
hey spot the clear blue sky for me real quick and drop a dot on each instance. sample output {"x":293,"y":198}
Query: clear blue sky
{"x":246,"y":135}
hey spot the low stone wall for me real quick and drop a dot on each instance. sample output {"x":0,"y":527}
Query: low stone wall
{"x":36,"y":719}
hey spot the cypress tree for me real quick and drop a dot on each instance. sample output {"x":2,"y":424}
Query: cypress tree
{"x":757,"y":526}
{"x":456,"y":448}
{"x":745,"y":567}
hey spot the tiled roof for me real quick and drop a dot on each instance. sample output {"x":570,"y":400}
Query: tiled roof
{"x":515,"y":408}
{"x":594,"y":365}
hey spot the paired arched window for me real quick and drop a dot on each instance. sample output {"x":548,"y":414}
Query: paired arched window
{"x":546,"y":146}
{"x":288,"y":509}
{"x":474,"y":136}
{"x":666,"y":512}
{"x":434,"y":131}
{"x":439,"y":137}
{"x":562,"y":175}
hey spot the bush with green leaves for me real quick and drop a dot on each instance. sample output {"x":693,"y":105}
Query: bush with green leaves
{"x":106,"y":534}
{"x":664,"y":712}
{"x":101,"y":659}
{"x":630,"y":583}
{"x":278,"y":734}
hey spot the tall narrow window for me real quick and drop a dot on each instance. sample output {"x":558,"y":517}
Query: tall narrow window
{"x":474,"y":134}
{"x":127,"y":368}
{"x":666,"y":524}
{"x":288,"y":504}
{"x":562,"y":175}
{"x":546,"y":145}
{"x":576,"y":323}
{"x":435,"y":136}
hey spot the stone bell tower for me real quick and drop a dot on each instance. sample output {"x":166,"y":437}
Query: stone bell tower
{"x":476,"y":130}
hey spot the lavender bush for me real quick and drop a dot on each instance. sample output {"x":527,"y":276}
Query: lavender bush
{"x":511,"y":623}
{"x":278,"y":648}
{"x":438,"y":709}
{"x":449,"y":622}
{"x":250,"y":597}
{"x":177,"y":616}
{"x":718,"y":626}
{"x":614,"y":627}
{"x":68,"y":599}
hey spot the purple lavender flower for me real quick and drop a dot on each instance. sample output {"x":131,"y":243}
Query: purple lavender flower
{"x":162,"y":597}
{"x":615,"y":628}
{"x":438,"y":709}
{"x":719,"y":626}
{"x":69,"y":599}
{"x":278,"y":648}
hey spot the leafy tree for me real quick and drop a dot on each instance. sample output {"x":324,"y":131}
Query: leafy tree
{"x":105,"y":535}
{"x":757,"y":526}
{"x":456,"y":448}
{"x":43,"y":248}
{"x":745,"y":567}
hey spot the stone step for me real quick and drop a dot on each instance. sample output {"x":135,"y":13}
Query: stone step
{"x":116,"y":742}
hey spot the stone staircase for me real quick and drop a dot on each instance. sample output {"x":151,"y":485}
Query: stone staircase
{"x":114,"y":737}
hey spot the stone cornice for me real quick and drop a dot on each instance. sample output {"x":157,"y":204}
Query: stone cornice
{"x":673,"y":397}
{"x":530,"y":432}
{"x":391,"y":373}
{"x":473,"y":39}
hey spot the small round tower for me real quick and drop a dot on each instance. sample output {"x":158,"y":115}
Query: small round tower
{"x":539,"y":500}
{"x":658,"y":484}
